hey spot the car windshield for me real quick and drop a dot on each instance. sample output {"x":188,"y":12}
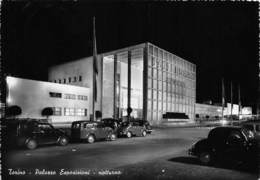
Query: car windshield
{"x":248,"y":133}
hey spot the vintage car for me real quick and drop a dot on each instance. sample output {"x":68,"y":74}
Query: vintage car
{"x":32,"y":133}
{"x":132,"y":128}
{"x":145,"y":124}
{"x":228,"y":144}
{"x":90,"y":131}
{"x":112,"y":122}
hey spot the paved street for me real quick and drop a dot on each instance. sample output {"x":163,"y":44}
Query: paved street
{"x":161,"y":155}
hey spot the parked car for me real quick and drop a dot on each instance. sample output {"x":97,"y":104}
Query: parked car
{"x":132,"y":128}
{"x":91,"y":131}
{"x":32,"y":133}
{"x":226,"y":144}
{"x":253,"y":126}
{"x":145,"y":124}
{"x":112,"y":122}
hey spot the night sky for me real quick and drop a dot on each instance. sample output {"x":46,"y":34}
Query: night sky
{"x":220,"y":38}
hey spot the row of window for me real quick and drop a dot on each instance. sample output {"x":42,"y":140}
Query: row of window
{"x":57,"y":111}
{"x":68,"y":96}
{"x":176,"y":70}
{"x":68,"y":80}
{"x":169,"y":57}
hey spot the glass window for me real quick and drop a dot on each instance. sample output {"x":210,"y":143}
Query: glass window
{"x":75,"y":79}
{"x":149,"y":94}
{"x":159,"y":95}
{"x":155,"y":84}
{"x":154,"y":73}
{"x":149,"y":83}
{"x":81,"y":112}
{"x":80,"y":78}
{"x":69,"y":111}
{"x":150,"y":49}
{"x":70,"y":96}
{"x":150,"y":74}
{"x":150,"y":60}
{"x":64,"y":80}
{"x":81,"y":97}
{"x":56,"y":111}
{"x":69,"y":79}
{"x":154,"y":105}
{"x":155,"y":51}
{"x":55,"y":94}
{"x":154,"y":94}
{"x":59,"y":80}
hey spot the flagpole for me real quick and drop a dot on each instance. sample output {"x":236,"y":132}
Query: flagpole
{"x":223,"y":98}
{"x":94,"y":72}
{"x":231,"y":103}
{"x":239,"y":102}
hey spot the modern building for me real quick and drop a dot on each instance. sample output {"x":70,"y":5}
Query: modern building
{"x":208,"y":111}
{"x":69,"y":103}
{"x":150,"y":80}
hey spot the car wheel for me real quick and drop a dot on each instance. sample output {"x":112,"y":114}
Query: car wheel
{"x":205,"y":158}
{"x":112,"y":137}
{"x":91,"y":139}
{"x":129,"y":134}
{"x":144,"y":133}
{"x":31,"y":144}
{"x":63,"y":141}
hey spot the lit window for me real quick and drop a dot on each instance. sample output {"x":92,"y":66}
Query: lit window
{"x":69,"y":111}
{"x":56,"y":111}
{"x":81,"y":112}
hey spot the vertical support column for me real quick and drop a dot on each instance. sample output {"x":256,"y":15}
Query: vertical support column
{"x":145,"y":80}
{"x":115,"y":104}
{"x":129,"y":84}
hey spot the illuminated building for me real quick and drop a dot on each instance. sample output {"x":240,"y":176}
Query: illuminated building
{"x":150,"y":80}
{"x":69,"y":103}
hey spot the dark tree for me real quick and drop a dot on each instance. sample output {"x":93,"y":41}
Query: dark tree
{"x":13,"y":111}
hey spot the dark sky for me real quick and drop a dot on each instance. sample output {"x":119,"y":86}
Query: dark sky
{"x":220,"y":38}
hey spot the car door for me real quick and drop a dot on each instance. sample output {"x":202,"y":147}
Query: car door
{"x":46,"y":134}
{"x":235,"y":146}
{"x":100,"y":131}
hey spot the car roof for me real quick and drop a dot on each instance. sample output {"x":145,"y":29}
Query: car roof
{"x":83,"y":121}
{"x":228,"y":127}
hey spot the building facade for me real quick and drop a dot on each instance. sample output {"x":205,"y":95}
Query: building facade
{"x":210,"y":111}
{"x":69,"y":103}
{"x":150,"y":80}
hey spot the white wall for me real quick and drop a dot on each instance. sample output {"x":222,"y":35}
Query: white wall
{"x":33,"y":96}
{"x":84,"y":68}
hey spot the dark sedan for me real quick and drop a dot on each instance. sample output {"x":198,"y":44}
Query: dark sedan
{"x":233,"y":145}
{"x":32,"y":133}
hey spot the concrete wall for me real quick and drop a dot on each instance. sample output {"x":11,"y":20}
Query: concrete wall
{"x":33,"y":96}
